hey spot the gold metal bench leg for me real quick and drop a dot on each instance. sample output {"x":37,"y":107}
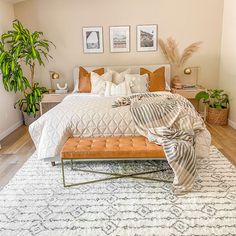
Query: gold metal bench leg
{"x":91,"y":182}
{"x":134,"y":175}
{"x":71,"y":162}
{"x":63,"y":172}
{"x":115,"y":176}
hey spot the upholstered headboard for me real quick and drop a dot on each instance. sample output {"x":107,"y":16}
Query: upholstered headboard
{"x":134,"y":70}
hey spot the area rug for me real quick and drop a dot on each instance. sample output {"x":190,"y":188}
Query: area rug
{"x":36,"y":203}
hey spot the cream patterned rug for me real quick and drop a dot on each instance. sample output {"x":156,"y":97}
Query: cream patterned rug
{"x":35,"y":203}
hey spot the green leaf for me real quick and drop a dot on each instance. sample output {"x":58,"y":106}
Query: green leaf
{"x":15,"y":87}
{"x":17,"y":51}
{"x":12,"y":65}
{"x":2,"y":56}
{"x":33,"y":52}
{"x":33,"y":109}
{"x":17,"y":37}
{"x":16,"y":27}
{"x":202,"y":95}
{"x":19,"y":83}
{"x":7,"y":68}
{"x":31,"y":39}
{"x":5,"y":36}
{"x":218,"y":106}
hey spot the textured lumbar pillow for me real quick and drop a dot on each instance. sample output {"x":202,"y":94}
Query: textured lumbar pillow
{"x":118,"y":78}
{"x":121,"y":89}
{"x":84,"y":85}
{"x":98,"y":82}
{"x":138,"y":83}
{"x":156,"y":79}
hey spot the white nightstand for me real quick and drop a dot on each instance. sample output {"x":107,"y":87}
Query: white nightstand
{"x":50,"y":100}
{"x":190,"y":95}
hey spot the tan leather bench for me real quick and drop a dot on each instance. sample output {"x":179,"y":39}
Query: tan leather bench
{"x":110,"y":148}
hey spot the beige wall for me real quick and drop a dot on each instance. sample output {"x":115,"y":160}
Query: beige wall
{"x":228,"y":57}
{"x":185,"y":20}
{"x":9,"y":117}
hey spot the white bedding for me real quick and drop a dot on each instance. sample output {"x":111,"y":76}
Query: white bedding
{"x":81,"y":115}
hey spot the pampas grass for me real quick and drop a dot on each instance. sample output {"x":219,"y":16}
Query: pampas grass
{"x":171,"y":52}
{"x":189,"y":51}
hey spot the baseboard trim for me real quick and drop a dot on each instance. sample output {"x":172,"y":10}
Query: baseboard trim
{"x":11,"y":129}
{"x":232,"y":124}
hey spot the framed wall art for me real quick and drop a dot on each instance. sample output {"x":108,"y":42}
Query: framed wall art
{"x":93,"y":39}
{"x":119,"y":38}
{"x":146,"y":38}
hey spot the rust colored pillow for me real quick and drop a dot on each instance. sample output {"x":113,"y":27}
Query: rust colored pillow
{"x":156,"y":79}
{"x":84,"y":79}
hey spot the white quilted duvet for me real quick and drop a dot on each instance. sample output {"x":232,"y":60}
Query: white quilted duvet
{"x":79,"y":115}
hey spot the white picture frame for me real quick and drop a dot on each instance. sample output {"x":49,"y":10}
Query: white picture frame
{"x":146,"y":38}
{"x":119,"y":38}
{"x":93,"y":39}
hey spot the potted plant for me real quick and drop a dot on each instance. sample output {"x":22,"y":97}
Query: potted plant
{"x":20,"y":47}
{"x":218,"y":102}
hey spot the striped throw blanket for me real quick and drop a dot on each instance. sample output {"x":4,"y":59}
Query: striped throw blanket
{"x":171,"y":120}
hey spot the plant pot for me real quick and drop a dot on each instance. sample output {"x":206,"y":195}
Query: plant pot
{"x":217,"y":116}
{"x":29,"y":119}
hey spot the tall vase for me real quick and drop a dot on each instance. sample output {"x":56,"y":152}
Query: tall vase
{"x":176,"y":77}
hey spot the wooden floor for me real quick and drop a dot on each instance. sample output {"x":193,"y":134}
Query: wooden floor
{"x":224,"y":138}
{"x":18,"y":147}
{"x":15,"y":150}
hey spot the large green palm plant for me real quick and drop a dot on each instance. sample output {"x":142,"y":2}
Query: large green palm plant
{"x":17,"y":47}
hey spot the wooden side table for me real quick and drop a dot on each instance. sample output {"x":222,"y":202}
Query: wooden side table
{"x":50,"y":100}
{"x":190,"y":95}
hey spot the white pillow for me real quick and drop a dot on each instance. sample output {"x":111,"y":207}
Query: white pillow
{"x":138,"y":83}
{"x":121,"y":89}
{"x":118,"y":78}
{"x":98,"y":82}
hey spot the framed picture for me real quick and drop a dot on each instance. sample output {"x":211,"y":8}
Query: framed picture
{"x":93,"y":39}
{"x":146,"y":38}
{"x":119,"y":38}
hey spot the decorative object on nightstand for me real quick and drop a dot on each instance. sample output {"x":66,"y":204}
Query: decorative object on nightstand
{"x":62,"y":90}
{"x":177,"y":60}
{"x":218,"y":102}
{"x":54,"y":77}
{"x":190,"y":77}
{"x":55,"y":86}
{"x":50,"y":100}
{"x":190,"y":94}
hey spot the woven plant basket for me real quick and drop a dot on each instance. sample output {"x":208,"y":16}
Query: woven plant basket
{"x":217,"y":116}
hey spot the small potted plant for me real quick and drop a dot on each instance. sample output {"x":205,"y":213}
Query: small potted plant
{"x":218,"y":102}
{"x":19,"y":47}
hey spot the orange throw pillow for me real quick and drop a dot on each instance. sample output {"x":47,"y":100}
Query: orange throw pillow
{"x":156,"y":79}
{"x":84,"y":79}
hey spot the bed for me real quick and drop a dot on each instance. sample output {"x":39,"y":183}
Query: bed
{"x":163,"y":118}
{"x":89,"y":115}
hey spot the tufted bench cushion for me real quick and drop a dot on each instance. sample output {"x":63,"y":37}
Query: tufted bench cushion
{"x":111,"y":148}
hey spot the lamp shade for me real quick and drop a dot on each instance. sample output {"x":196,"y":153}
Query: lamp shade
{"x":55,"y":75}
{"x":188,"y":71}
